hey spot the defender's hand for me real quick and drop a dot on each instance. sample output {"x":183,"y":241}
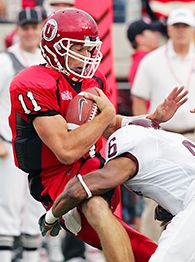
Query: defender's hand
{"x":51,"y":229}
{"x":168,"y":108}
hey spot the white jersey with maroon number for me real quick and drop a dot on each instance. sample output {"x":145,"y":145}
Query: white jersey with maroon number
{"x":165,"y":161}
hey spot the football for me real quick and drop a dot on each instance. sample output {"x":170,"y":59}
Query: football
{"x":81,"y":109}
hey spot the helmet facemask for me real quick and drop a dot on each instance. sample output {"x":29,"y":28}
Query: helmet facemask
{"x":90,"y":64}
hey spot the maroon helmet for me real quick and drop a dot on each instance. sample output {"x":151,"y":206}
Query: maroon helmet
{"x":63,"y":29}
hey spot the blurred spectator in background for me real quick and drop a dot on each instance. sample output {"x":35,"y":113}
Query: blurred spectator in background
{"x":171,"y":65}
{"x":19,"y":211}
{"x":12,"y":38}
{"x":144,"y":36}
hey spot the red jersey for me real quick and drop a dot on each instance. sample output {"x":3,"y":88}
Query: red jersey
{"x":41,"y":91}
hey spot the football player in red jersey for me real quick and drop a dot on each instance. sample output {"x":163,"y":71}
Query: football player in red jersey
{"x":51,"y":155}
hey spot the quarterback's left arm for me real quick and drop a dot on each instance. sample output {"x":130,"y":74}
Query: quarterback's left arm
{"x":164,"y":112}
{"x":98,"y":182}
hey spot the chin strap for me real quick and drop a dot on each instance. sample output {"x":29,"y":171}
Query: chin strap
{"x":85,"y":187}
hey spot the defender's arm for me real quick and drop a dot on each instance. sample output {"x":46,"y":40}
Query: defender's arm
{"x":98,"y":182}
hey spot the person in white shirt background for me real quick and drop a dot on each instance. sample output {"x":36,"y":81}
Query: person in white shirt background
{"x":170,"y":65}
{"x":19,"y":211}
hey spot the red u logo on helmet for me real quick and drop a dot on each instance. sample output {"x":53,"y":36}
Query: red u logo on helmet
{"x":50,"y":30}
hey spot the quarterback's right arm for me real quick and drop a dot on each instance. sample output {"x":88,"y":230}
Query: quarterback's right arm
{"x":39,"y":105}
{"x":71,"y":146}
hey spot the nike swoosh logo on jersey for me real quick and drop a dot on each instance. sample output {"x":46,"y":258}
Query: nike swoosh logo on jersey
{"x":81,"y":102}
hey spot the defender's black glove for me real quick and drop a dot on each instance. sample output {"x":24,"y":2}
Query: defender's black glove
{"x":162,"y":215}
{"x":52,"y":229}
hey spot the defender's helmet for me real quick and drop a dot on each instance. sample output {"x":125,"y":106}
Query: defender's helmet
{"x":63,"y":29}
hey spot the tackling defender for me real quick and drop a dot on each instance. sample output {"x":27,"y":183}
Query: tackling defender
{"x":156,"y":164}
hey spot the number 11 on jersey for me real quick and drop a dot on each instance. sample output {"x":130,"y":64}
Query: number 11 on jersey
{"x":27,"y":111}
